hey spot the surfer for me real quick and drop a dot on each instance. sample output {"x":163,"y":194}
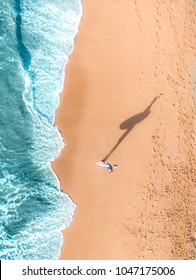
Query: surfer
{"x":107,"y":165}
{"x":110,"y":167}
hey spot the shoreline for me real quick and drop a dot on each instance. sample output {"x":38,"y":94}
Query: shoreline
{"x":145,"y":208}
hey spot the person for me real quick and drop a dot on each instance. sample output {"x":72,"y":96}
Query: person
{"x":107,"y":165}
{"x":111,"y":167}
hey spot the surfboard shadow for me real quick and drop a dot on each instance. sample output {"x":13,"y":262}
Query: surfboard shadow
{"x":128,"y":125}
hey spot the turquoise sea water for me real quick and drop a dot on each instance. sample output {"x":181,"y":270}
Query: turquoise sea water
{"x":36,"y":37}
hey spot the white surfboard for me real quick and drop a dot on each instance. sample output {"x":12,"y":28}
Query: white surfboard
{"x":102,"y":164}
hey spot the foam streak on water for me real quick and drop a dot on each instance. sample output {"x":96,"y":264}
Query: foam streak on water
{"x":36,"y":38}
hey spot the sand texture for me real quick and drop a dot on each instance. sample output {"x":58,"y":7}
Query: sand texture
{"x":130,"y":97}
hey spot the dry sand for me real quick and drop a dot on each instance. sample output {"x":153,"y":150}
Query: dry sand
{"x":127,"y":53}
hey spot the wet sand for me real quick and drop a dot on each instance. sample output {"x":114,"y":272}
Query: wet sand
{"x":129,"y":97}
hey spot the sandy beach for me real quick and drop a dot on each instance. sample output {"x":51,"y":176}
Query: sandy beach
{"x":129,"y":98}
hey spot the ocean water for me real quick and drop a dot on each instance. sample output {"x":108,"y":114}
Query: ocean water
{"x":36,"y":38}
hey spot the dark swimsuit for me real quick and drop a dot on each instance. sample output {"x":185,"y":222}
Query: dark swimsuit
{"x":110,"y":167}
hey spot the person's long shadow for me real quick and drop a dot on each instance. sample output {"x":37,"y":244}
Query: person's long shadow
{"x":129,"y":125}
